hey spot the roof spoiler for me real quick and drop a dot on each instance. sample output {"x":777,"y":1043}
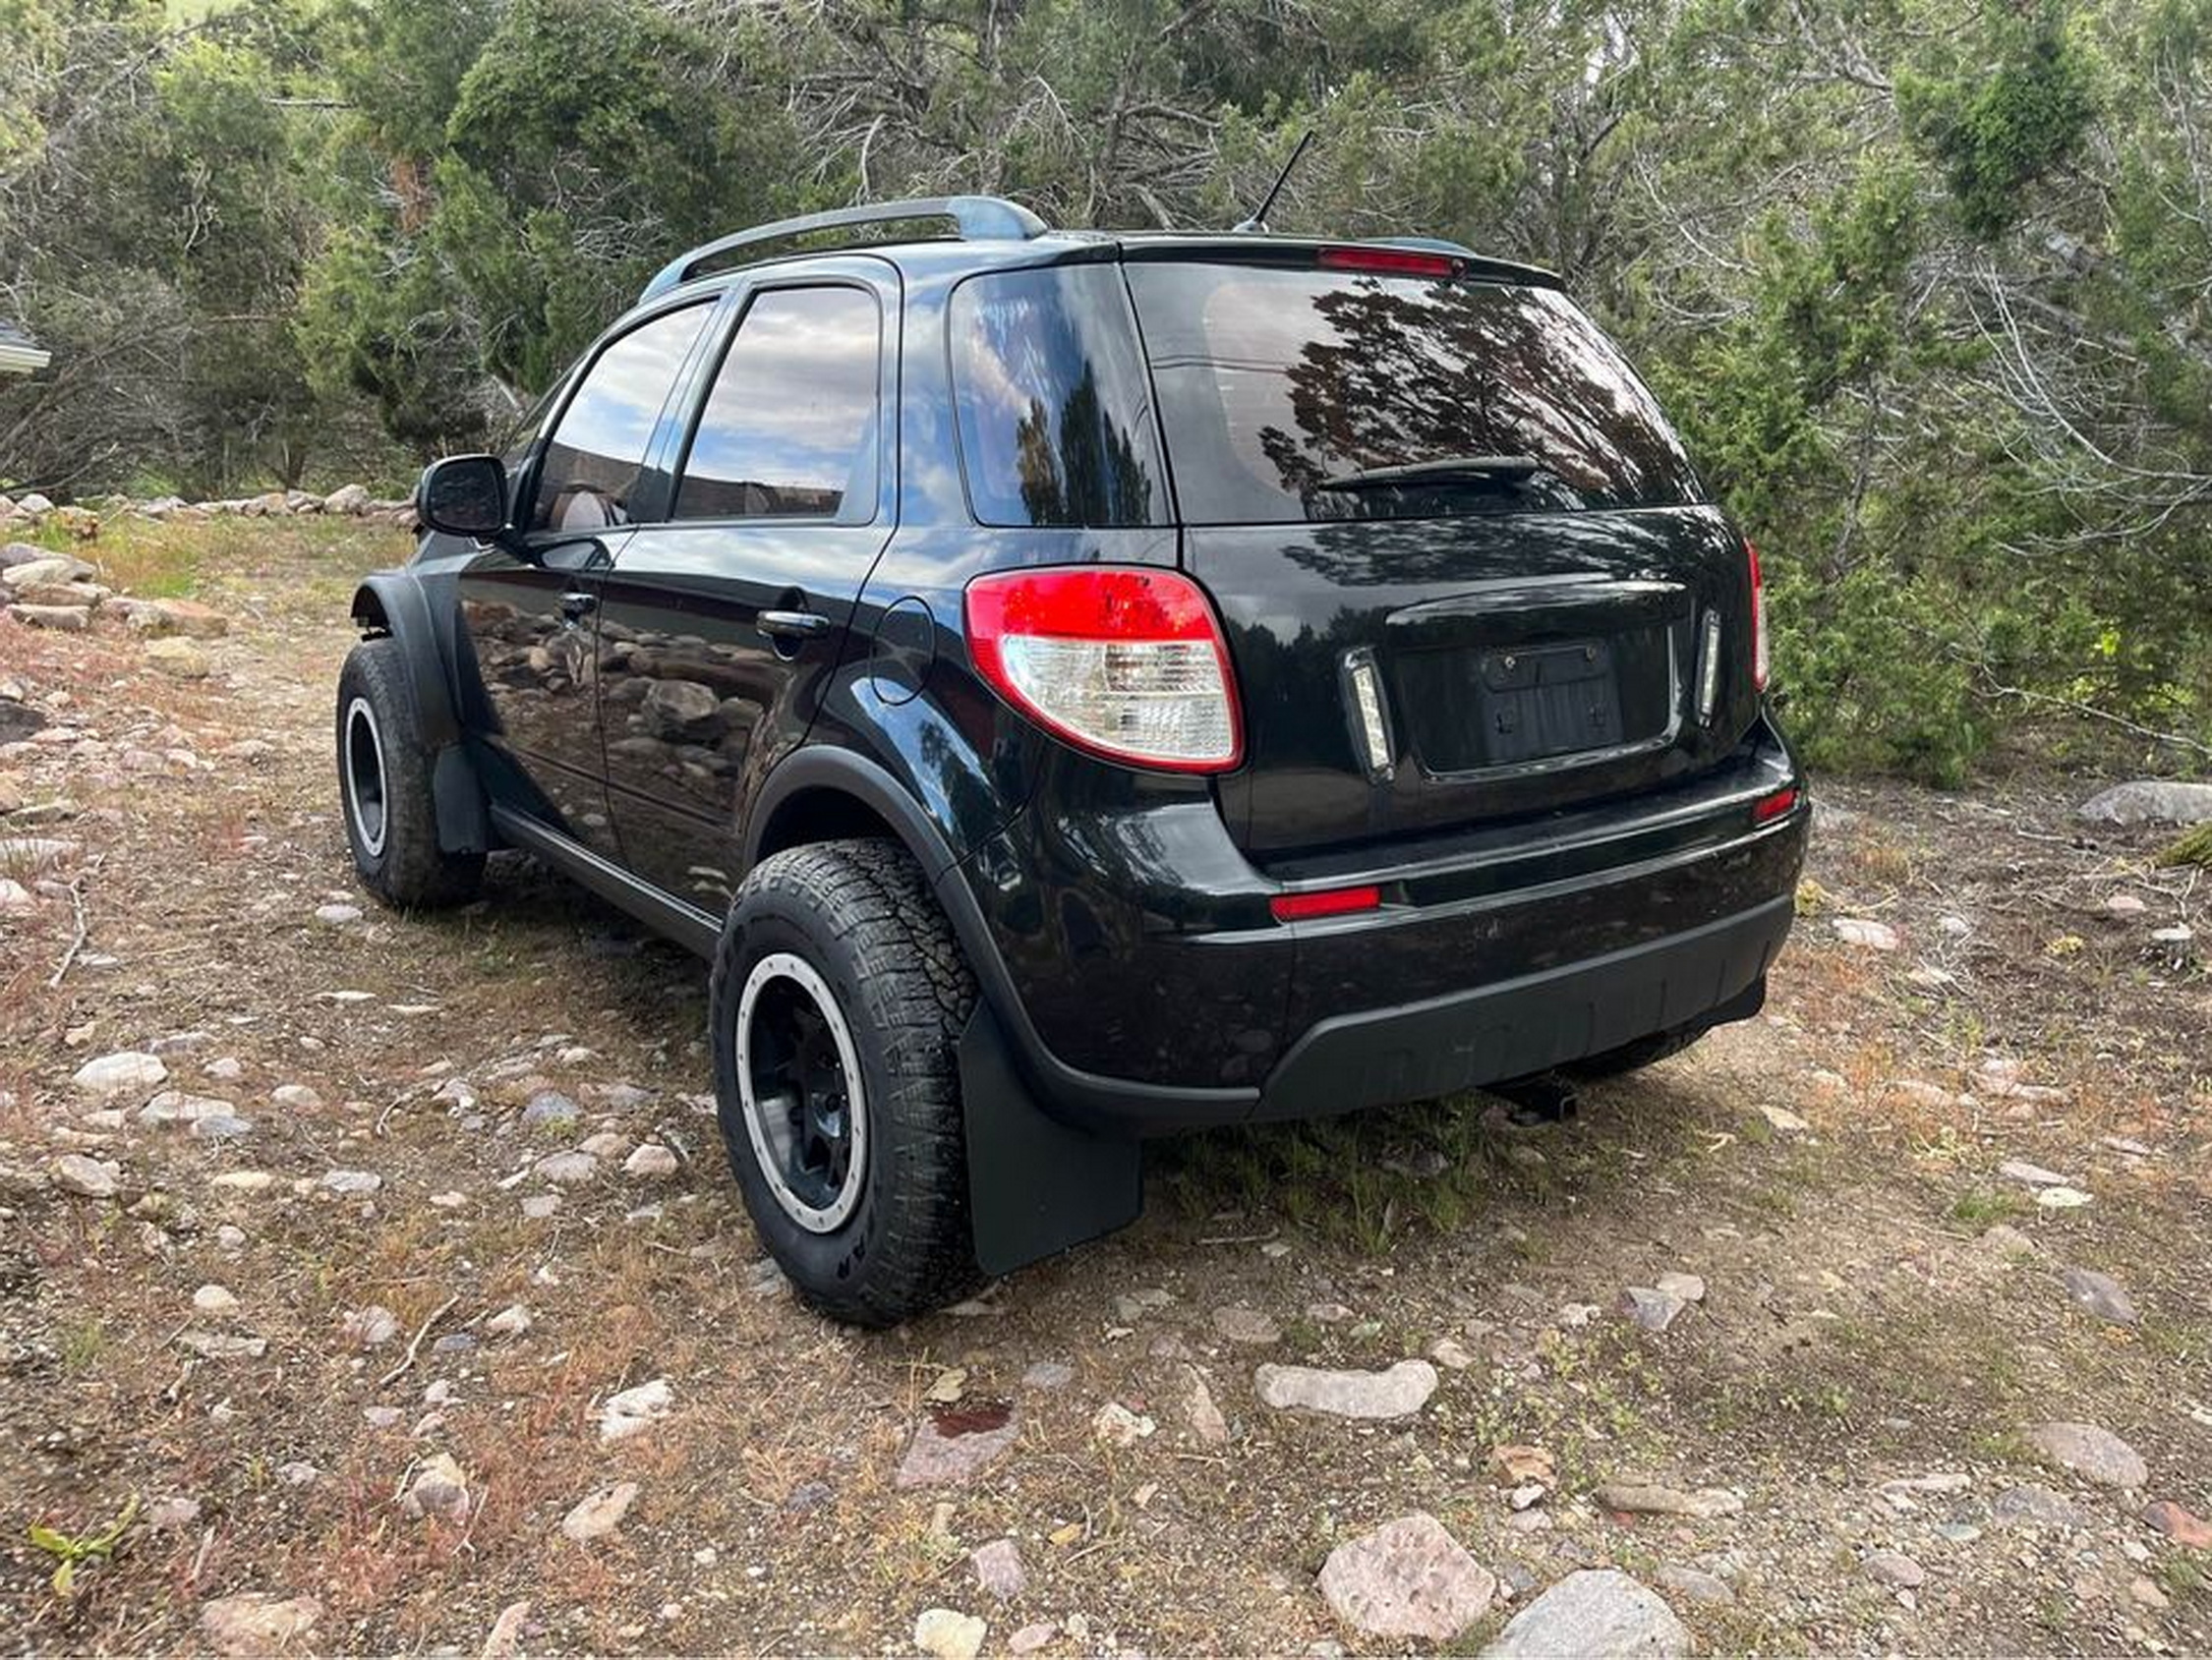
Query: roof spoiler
{"x":976,"y":218}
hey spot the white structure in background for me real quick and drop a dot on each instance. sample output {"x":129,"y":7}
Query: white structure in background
{"x":19,"y":353}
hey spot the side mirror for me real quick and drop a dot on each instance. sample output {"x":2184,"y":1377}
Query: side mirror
{"x":464,"y":495}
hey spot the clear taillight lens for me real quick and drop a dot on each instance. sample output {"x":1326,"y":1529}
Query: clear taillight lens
{"x":1129,"y":663}
{"x":1758,"y":617}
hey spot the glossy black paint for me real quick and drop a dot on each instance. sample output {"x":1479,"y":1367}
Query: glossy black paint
{"x":1119,"y":920}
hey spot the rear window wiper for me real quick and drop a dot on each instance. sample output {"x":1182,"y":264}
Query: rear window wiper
{"x":1481,"y":470}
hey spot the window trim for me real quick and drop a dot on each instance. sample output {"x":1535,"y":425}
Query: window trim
{"x":525,"y":490}
{"x":700,"y":394}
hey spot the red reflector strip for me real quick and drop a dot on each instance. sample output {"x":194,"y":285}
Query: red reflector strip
{"x":1391,"y":262}
{"x":1334,"y":901}
{"x":1770,"y":807}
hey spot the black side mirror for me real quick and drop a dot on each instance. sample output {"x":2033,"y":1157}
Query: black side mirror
{"x":464,"y":495}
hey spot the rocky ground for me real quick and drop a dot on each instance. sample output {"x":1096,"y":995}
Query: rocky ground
{"x":374,"y":1284}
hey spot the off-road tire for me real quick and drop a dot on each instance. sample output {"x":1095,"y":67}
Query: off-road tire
{"x":404,"y":865}
{"x":861,"y":915}
{"x":1635,"y":1056}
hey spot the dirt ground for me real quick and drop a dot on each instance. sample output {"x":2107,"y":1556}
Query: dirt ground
{"x":1881,"y":1304}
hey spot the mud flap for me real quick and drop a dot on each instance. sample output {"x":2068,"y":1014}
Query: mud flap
{"x":1035,"y":1186}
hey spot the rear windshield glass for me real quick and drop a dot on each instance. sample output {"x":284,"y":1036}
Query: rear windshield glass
{"x":1055,"y":413}
{"x":1283,"y":391}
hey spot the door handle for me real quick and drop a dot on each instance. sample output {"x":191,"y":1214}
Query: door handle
{"x":575,"y":607}
{"x":793,"y":625}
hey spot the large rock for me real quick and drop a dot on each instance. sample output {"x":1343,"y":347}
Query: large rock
{"x":157,"y":617}
{"x":47,"y":568}
{"x":68,"y":619}
{"x":2101,"y":1295}
{"x":174,"y":655}
{"x":1398,"y":1392}
{"x":87,"y":1177}
{"x":128,"y":1071}
{"x":1637,"y":1498}
{"x":349,"y":499}
{"x":683,"y":708}
{"x":1594,"y":1615}
{"x":601,"y":1514}
{"x":1408,"y":1578}
{"x":2091,"y":1452}
{"x":2151,"y":801}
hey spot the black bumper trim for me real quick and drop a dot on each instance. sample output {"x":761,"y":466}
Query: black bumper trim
{"x":1516,"y":1028}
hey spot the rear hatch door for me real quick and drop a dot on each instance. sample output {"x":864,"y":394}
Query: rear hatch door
{"x":1466,"y":570}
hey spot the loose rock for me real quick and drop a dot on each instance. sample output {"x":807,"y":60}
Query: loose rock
{"x":511,"y":1322}
{"x":1696,"y":1585}
{"x":2179,"y":1524}
{"x":999,"y":1569}
{"x":353,"y":1184}
{"x":2091,"y":1452}
{"x":87,"y":1177}
{"x":567,"y":1169}
{"x":125,"y":1072}
{"x":1408,"y":1578}
{"x":440,"y":1488}
{"x":1633,"y":1498}
{"x":2148,"y":801}
{"x":1595,"y":1613}
{"x":1649,"y":1308}
{"x":256,"y":1622}
{"x":1398,"y":1392}
{"x":1896,"y":1570}
{"x":2031,"y":1506}
{"x":1206,"y":1419}
{"x":2101,"y":1295}
{"x":1117,"y":1426}
{"x":634,"y":1410}
{"x":601,"y":1514}
{"x":651,"y":1160}
{"x":949,"y":1634}
{"x":178,"y":657}
{"x":955,"y":1446}
{"x":1866,"y":933}
{"x":1246,"y":1325}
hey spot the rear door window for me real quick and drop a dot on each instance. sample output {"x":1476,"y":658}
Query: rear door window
{"x":1056,"y":423}
{"x":595,"y":461}
{"x":1277,"y":385}
{"x":790,"y":430}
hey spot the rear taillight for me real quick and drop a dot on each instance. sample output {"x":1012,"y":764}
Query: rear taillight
{"x":1316,"y":903}
{"x":1768,"y":808}
{"x":1758,"y":617}
{"x":1127,"y":664}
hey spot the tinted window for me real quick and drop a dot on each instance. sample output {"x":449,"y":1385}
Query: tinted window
{"x":1273,"y":382}
{"x":597,"y":454}
{"x":1055,"y":411}
{"x":790,"y":428}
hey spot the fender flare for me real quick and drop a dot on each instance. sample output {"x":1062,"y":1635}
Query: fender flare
{"x":464,"y":822}
{"x":829,"y":767}
{"x":406,"y":613}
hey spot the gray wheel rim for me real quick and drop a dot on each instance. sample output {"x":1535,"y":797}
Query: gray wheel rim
{"x":363,"y":762}
{"x":800,"y":1090}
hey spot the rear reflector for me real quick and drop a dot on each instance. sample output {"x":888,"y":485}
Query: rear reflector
{"x":1126,"y":663}
{"x":1333,"y":901}
{"x":1768,"y":808}
{"x":1389,"y":262}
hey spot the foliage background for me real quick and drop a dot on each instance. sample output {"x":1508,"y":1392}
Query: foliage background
{"x":1928,"y":285}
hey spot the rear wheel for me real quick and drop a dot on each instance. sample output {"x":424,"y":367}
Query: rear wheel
{"x":838,"y":998}
{"x":384,"y":787}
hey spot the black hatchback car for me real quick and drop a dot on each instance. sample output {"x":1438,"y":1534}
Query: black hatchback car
{"x":1078,"y":686}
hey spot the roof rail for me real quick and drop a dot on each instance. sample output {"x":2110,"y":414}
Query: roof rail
{"x":975,"y":218}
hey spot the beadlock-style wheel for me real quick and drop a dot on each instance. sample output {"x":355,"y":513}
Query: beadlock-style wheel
{"x":805,"y":1107}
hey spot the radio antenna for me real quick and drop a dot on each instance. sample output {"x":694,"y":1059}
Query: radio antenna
{"x":1259,"y":220}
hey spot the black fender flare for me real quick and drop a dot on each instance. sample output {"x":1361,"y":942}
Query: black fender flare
{"x":394,"y":604}
{"x":405,"y":609}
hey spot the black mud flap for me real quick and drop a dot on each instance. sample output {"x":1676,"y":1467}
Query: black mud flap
{"x":1035,"y":1186}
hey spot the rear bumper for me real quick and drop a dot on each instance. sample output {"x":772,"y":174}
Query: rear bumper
{"x":1143,"y":986}
{"x":1528,"y":1024}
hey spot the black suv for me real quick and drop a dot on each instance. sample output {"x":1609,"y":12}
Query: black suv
{"x":1077,"y":686}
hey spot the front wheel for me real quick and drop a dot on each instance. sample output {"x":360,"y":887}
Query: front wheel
{"x":384,"y":787}
{"x":838,"y":998}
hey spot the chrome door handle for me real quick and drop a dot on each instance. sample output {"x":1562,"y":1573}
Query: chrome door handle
{"x":793,"y":625}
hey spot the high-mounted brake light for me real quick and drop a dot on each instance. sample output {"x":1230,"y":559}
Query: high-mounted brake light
{"x":1389,"y":262}
{"x":1332,"y":901}
{"x":1126,"y":663}
{"x":1758,"y":617}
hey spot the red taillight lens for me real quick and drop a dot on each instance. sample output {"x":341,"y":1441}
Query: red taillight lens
{"x":1758,"y":617}
{"x":1769,"y":808}
{"x":1126,"y":663}
{"x":1334,"y":901}
{"x":1389,"y":262}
